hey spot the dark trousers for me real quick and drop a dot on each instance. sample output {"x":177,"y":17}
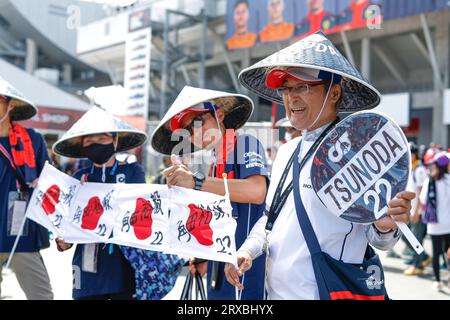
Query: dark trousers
{"x":441,"y":244}
{"x":420,"y":231}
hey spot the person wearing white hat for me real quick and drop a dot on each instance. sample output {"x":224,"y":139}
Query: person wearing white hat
{"x":23,"y":153}
{"x":208,"y":119}
{"x":105,"y":271}
{"x":314,"y":82}
{"x":291,"y":132}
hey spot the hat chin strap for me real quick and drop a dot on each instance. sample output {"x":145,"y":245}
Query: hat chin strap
{"x":116,"y":143}
{"x":6,"y":114}
{"x":323,"y":106}
{"x":218,"y":128}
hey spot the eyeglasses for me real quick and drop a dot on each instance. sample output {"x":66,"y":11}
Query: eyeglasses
{"x":299,"y":89}
{"x":200,"y":118}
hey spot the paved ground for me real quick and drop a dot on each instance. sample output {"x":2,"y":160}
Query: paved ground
{"x":399,"y":286}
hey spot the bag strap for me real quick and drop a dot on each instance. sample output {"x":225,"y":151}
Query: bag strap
{"x":302,"y":216}
{"x":9,"y":162}
{"x":200,"y":287}
{"x":431,"y":194}
{"x":186,"y":294}
{"x":279,"y":199}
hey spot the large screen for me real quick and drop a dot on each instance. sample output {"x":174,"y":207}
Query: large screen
{"x":267,"y":21}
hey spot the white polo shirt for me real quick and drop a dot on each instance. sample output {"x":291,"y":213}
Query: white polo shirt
{"x":290,"y":273}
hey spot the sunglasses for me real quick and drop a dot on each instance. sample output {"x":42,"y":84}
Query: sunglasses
{"x":200,"y":118}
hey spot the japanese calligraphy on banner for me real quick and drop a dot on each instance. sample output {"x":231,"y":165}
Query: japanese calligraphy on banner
{"x":142,"y":220}
{"x":91,"y":217}
{"x":52,"y":199}
{"x":152,"y":217}
{"x":204,"y":225}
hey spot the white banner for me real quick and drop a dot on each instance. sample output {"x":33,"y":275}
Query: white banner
{"x":201,"y":225}
{"x":142,"y":219}
{"x":52,"y":199}
{"x":91,"y":216}
{"x":152,"y":217}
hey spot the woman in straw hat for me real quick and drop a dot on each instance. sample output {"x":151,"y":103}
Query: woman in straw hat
{"x":314,"y":82}
{"x":105,"y":271}
{"x":208,"y":120}
{"x":23,"y":153}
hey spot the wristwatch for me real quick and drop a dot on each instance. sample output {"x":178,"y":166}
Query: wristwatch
{"x":198,"y":179}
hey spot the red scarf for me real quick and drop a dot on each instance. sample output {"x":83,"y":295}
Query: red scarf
{"x":22,"y":151}
{"x":223,"y":156}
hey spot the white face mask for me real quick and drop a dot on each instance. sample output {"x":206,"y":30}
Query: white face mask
{"x":287,"y":136}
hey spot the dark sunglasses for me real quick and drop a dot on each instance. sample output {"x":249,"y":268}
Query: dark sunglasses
{"x":200,"y":118}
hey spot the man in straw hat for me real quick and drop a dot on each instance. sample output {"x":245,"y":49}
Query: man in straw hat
{"x":103,"y":270}
{"x":208,"y":120}
{"x":23,"y":153}
{"x":314,"y":82}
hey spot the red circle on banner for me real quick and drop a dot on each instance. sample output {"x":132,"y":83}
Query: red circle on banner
{"x":51,"y":199}
{"x":141,"y":220}
{"x":198,"y":224}
{"x":92,"y":214}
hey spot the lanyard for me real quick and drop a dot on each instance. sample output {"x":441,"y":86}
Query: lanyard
{"x":8,"y":156}
{"x":20,"y":180}
{"x":214,"y":167}
{"x":112,"y":173}
{"x":279,"y":198}
{"x":113,"y":169}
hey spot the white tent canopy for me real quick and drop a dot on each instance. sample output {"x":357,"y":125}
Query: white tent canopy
{"x":111,"y":98}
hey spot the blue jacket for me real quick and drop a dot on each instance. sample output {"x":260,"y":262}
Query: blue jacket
{"x":245,"y":157}
{"x":114,"y":273}
{"x":32,"y":238}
